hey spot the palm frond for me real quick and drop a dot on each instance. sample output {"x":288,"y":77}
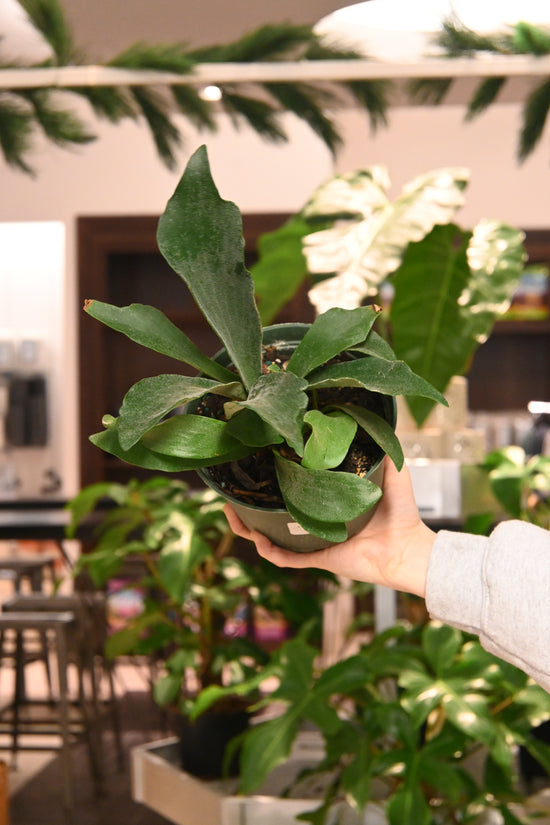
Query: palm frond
{"x":535,"y":114}
{"x":48,"y":17}
{"x":485,"y":94}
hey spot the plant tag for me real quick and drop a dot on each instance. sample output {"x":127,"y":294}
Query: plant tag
{"x":296,"y":529}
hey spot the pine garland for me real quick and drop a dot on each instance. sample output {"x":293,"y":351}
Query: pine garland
{"x":259,"y":106}
{"x":523,"y":38}
{"x":23,"y":113}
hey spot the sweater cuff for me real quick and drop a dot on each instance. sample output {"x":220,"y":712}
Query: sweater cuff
{"x":454,"y":584}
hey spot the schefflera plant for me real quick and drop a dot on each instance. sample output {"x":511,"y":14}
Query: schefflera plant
{"x":200,"y":236}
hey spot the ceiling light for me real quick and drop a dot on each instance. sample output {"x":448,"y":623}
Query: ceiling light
{"x":401,"y":31}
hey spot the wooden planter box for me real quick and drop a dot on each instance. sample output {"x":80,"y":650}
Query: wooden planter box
{"x":159,"y":782}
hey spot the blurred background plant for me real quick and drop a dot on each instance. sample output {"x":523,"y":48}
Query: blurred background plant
{"x":172,"y":546}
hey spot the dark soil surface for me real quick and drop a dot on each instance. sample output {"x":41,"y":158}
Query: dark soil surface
{"x":253,"y":479}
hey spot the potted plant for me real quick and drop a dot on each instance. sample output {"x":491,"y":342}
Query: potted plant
{"x":421,"y":723}
{"x":441,"y":286}
{"x":308,"y":419}
{"x":199,"y":598}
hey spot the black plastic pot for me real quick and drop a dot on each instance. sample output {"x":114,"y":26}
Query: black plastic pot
{"x":203,"y":742}
{"x":277,"y":524}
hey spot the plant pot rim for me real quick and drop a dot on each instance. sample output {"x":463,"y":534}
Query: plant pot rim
{"x":278,"y":523}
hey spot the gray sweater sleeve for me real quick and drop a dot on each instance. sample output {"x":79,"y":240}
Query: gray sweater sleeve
{"x":497,"y":587}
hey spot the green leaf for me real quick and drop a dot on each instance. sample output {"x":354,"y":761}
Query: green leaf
{"x":441,"y":644}
{"x":177,"y":564}
{"x":356,"y":775}
{"x":194,"y":437}
{"x":266,"y":746}
{"x":326,"y":496}
{"x":281,"y":268}
{"x":149,"y":327}
{"x":467,"y":280}
{"x":200,"y":235}
{"x":379,"y":429}
{"x":344,"y":676}
{"x":333,"y":332}
{"x":87,"y":499}
{"x":167,"y":689}
{"x":387,"y":377}
{"x":375,"y":345}
{"x":371,"y":245}
{"x":279,"y":399}
{"x":249,"y":428}
{"x":535,"y":114}
{"x":150,"y":400}
{"x":496,"y":257}
{"x":408,"y":805}
{"x":139,"y":454}
{"x":434,"y":344}
{"x":330,"y":439}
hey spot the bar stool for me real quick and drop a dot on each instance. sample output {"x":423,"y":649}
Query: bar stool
{"x":86,"y":652}
{"x":59,"y":626}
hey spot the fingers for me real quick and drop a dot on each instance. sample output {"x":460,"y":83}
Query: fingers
{"x":236,"y":524}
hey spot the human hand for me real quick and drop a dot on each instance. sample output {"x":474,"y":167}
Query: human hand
{"x":393,"y":549}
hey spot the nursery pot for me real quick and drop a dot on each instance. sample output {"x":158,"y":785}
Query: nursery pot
{"x":203,"y":742}
{"x":277,"y":524}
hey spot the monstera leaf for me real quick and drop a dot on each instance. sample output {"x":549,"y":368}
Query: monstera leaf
{"x":448,"y":291}
{"x":363,"y":248}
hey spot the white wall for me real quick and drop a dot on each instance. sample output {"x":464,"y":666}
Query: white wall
{"x":120,"y":174}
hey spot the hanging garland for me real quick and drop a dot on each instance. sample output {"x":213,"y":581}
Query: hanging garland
{"x":24,"y":112}
{"x":522,"y":39}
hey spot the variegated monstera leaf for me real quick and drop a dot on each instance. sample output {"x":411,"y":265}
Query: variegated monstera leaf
{"x":370,"y":233}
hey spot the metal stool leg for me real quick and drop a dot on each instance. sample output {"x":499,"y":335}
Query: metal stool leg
{"x":61,"y":644}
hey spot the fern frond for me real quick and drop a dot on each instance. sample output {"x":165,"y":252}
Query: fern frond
{"x":485,"y":94}
{"x":535,"y":114}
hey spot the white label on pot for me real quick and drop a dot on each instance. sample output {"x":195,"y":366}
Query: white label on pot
{"x":296,"y":529}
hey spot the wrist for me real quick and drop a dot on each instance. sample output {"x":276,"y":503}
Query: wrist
{"x":412,"y":571}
